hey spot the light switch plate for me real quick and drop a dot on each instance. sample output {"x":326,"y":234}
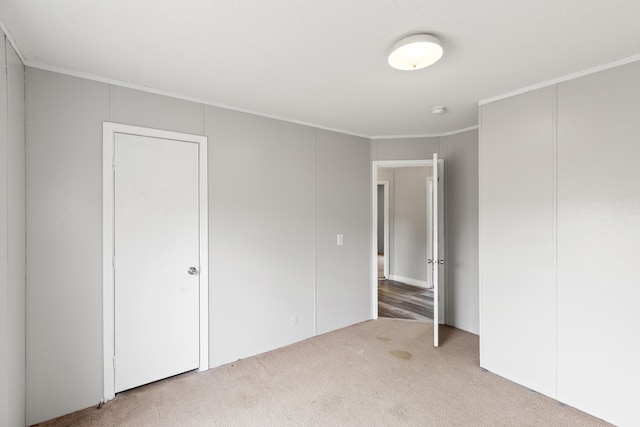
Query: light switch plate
{"x":340,"y":240}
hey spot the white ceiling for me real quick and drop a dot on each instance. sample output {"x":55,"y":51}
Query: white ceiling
{"x":324,"y":62}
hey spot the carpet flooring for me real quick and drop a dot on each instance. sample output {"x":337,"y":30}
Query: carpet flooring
{"x":377,"y":373}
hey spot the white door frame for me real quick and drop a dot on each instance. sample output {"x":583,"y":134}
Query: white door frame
{"x":374,"y":230}
{"x":429,"y":225}
{"x":385,"y":190}
{"x":108,"y":141}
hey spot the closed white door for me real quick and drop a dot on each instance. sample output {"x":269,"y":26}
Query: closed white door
{"x":156,"y":282}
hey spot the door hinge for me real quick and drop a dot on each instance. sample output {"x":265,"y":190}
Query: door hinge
{"x":114,"y":362}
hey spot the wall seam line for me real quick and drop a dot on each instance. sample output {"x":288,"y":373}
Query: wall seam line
{"x":27,"y":97}
{"x":554,"y":136}
{"x":315,"y":233}
{"x":447,"y":314}
{"x":5,"y":317}
{"x":479,"y":187}
{"x":24,"y":125}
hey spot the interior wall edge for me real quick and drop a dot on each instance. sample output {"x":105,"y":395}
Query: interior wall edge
{"x":562,"y":79}
{"x":10,"y":39}
{"x":12,"y":246}
{"x":4,"y":242}
{"x":119,"y":83}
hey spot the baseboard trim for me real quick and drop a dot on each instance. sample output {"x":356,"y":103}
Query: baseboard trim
{"x":409,"y":281}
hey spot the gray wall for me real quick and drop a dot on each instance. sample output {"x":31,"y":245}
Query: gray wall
{"x":343,"y":200}
{"x":461,"y":229}
{"x":460,"y":152}
{"x":4,"y":240}
{"x":409,"y":242}
{"x":381,"y":219}
{"x":261,"y":233}
{"x":386,"y":174}
{"x":64,"y":243}
{"x":572,"y":164}
{"x":12,"y":238}
{"x":407,"y":148}
{"x":278,"y":193}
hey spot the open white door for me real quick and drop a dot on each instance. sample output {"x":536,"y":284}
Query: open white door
{"x":437,"y":260}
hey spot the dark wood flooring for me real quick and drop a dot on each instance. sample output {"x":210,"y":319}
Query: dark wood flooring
{"x":402,"y":301}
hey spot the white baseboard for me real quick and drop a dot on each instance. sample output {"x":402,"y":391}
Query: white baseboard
{"x":409,"y":281}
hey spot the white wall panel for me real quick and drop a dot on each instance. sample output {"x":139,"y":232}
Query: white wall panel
{"x":518,"y":325}
{"x":599,"y":243}
{"x":597,"y":208}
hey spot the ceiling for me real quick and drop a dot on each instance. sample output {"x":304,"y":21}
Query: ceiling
{"x":324,"y":62}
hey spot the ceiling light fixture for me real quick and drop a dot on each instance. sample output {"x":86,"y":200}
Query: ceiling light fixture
{"x":438,"y":109}
{"x":415,"y":52}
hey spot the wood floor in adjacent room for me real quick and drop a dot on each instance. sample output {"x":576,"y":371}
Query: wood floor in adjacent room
{"x":401,"y":301}
{"x":398,"y":300}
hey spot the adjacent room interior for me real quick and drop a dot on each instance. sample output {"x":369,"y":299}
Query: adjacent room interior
{"x":404,"y":241}
{"x":206,"y":175}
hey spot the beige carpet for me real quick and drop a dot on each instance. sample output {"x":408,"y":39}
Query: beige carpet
{"x":377,"y":373}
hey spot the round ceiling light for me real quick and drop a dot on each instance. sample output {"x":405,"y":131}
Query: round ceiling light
{"x":439,"y":109}
{"x":415,"y":52}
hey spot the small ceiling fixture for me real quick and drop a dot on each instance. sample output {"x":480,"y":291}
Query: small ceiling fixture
{"x":415,"y":52}
{"x":438,"y":109}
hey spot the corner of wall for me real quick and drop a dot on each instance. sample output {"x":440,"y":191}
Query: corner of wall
{"x":12,"y":239}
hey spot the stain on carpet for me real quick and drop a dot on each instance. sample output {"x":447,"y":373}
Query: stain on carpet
{"x":400,"y":354}
{"x":384,"y":339}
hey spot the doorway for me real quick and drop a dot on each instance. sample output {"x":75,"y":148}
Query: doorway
{"x":411,"y":250}
{"x":155,"y":285}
